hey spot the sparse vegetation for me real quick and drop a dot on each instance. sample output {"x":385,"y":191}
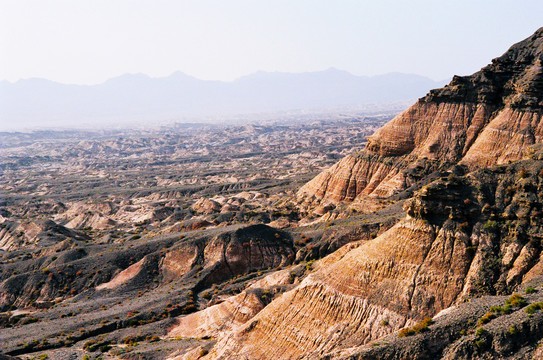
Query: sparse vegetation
{"x":530,"y":290}
{"x":501,"y":310}
{"x":416,"y":329}
{"x":533,"y":308}
{"x":491,"y":226}
{"x":481,"y":340}
{"x":486,"y":318}
{"x":203,"y":352}
{"x":516,"y":300}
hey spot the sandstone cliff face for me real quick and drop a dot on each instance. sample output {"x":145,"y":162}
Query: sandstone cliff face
{"x":505,"y":138}
{"x":463,"y":236}
{"x":490,"y":117}
{"x":249,"y":249}
{"x":350,"y":177}
{"x":454,"y":336}
{"x":348,"y":302}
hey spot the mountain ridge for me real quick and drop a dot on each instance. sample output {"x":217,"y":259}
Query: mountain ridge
{"x":129,"y":96}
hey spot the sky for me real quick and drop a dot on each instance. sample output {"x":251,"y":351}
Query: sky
{"x":90,"y":41}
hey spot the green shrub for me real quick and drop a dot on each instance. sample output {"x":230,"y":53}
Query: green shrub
{"x":89,"y":345}
{"x":93,"y":345}
{"x":416,"y":329}
{"x":516,"y":300}
{"x":131,"y":340}
{"x":502,"y":310}
{"x":481,"y":332}
{"x":486,"y":318}
{"x":406,"y":332}
{"x":532,"y":308}
{"x":152,"y":338}
{"x":481,"y":343}
{"x":482,"y":336}
{"x":491,"y":226}
{"x":423,"y":325}
{"x":530,"y":290}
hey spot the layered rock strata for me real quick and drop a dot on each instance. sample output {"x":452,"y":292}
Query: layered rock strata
{"x":463,"y":236}
{"x":230,"y":312}
{"x":490,"y":117}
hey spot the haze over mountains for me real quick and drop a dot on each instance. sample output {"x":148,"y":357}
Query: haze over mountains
{"x":423,"y":242}
{"x":134,"y":98}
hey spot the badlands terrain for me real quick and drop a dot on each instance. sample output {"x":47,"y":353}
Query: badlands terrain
{"x":73,"y":203}
{"x":287,"y":242}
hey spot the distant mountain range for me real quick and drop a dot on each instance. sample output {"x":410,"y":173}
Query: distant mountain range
{"x":137,"y":97}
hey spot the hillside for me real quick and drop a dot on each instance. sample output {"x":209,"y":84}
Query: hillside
{"x":199,"y":243}
{"x":488,"y":118}
{"x":469,"y":233}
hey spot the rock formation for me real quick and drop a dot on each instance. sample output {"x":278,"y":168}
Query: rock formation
{"x":490,"y":117}
{"x":232,"y":311}
{"x":456,"y":274}
{"x":468,"y":233}
{"x":229,"y":254}
{"x":463,"y":236}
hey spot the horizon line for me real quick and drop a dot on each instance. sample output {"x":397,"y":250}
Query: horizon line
{"x":216,"y":80}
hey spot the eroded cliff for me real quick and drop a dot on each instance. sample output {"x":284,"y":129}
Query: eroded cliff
{"x":490,"y":117}
{"x":464,"y":236}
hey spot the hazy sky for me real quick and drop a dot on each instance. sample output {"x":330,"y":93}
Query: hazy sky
{"x":89,"y":41}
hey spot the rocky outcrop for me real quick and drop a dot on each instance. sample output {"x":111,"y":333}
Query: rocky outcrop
{"x":68,"y":269}
{"x":458,"y":333}
{"x":506,"y":138}
{"x":230,"y":312}
{"x":229,"y":254}
{"x":350,"y":177}
{"x":490,"y":117}
{"x":123,"y":277}
{"x":463,"y":236}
